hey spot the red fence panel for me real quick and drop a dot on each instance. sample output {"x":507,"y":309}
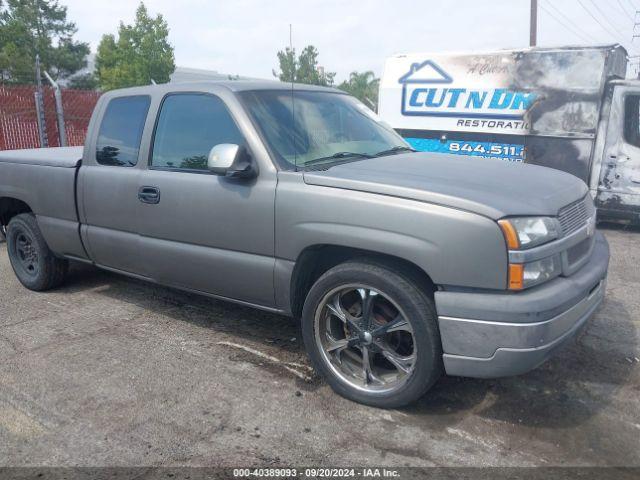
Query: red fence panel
{"x":78,"y":106}
{"x":18,"y":117}
{"x":18,"y":121}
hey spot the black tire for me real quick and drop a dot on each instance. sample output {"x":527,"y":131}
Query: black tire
{"x":44,"y":271}
{"x":419,"y":309}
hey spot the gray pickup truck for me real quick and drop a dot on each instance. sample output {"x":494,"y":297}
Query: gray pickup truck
{"x":298,"y":200}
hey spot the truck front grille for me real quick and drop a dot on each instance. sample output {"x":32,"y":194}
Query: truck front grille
{"x":575,"y":215}
{"x":576,"y":253}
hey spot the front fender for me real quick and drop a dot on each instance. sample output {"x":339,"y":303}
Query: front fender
{"x":453,"y":247}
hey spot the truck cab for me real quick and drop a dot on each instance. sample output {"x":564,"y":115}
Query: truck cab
{"x":616,"y":167}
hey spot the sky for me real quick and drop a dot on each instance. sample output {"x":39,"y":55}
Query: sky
{"x":243,"y":36}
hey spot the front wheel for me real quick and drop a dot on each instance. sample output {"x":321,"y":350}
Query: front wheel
{"x":372,"y":333}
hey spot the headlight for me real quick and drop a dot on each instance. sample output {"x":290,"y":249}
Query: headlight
{"x":522,"y":233}
{"x":525,"y":275}
{"x":528,"y":232}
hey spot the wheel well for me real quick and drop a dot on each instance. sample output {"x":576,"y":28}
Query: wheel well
{"x":10,"y":207}
{"x":314,"y":261}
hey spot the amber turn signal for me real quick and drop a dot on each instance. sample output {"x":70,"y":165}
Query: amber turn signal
{"x":516,"y":276}
{"x":510,"y":234}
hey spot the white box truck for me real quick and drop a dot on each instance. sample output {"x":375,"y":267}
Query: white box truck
{"x":569,"y":108}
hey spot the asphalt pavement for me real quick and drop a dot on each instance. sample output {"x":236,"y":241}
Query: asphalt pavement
{"x":109,"y":371}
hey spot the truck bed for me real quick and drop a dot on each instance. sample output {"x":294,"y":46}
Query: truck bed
{"x":67,"y":157}
{"x":45,"y":180}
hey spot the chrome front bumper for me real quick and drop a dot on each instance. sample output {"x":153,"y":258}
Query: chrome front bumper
{"x":489,"y":335}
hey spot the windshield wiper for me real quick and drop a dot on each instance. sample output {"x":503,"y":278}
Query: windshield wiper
{"x":337,"y":156}
{"x":394,"y":150}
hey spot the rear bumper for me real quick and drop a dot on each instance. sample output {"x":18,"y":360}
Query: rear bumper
{"x":488,"y":335}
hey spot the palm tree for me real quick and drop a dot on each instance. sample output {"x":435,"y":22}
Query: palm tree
{"x":363,"y":86}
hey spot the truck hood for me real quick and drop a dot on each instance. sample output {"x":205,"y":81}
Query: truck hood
{"x":489,"y":187}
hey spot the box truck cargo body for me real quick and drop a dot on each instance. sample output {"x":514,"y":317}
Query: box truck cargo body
{"x":567,"y":108}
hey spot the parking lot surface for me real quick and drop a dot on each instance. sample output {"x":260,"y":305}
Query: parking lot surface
{"x":109,"y":371}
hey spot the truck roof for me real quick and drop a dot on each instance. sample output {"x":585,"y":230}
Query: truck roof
{"x":232,"y":85}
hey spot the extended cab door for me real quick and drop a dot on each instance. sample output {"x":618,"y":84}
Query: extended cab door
{"x":108,"y":183}
{"x":198,"y":230}
{"x":619,"y":185}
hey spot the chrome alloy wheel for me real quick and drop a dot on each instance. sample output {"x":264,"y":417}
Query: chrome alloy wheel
{"x":365,"y":338}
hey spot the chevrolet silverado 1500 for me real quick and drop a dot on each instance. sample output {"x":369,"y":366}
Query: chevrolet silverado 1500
{"x":298,"y":200}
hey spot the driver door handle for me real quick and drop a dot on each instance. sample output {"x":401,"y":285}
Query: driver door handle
{"x":149,"y":195}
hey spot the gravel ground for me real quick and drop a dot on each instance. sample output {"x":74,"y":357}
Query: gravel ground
{"x":109,"y":371}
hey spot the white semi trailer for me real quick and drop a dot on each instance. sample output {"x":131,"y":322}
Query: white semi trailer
{"x":569,"y":108}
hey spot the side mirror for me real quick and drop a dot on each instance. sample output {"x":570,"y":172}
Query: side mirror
{"x":231,"y":160}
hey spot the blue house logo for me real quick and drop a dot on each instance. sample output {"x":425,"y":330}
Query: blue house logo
{"x":427,"y":90}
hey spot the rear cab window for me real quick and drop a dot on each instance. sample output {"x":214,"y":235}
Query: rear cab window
{"x":121,"y":129}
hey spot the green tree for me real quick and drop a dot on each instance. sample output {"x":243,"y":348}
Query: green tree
{"x":31,"y":27}
{"x":141,"y":53}
{"x":302,"y":69}
{"x":364,"y":86}
{"x":85,"y":81}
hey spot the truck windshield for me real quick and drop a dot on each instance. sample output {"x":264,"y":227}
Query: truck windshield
{"x":305,"y":128}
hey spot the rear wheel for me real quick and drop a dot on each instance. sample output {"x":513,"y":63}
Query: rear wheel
{"x":372,"y":333}
{"x":33,"y":262}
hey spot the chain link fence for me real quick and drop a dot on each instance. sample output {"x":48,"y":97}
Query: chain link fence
{"x":19,"y":118}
